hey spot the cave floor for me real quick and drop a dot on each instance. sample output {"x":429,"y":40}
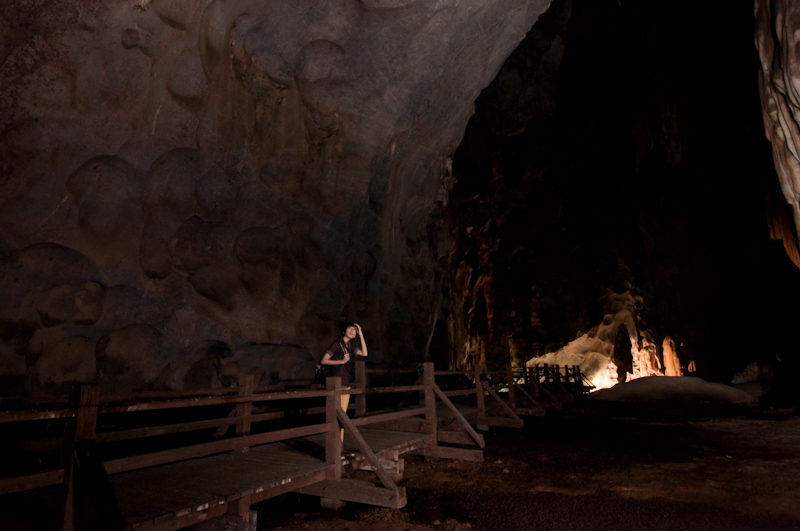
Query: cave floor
{"x":596,"y":466}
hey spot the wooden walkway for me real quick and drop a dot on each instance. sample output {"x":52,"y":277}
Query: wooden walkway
{"x":210,"y":483}
{"x":181,"y":494}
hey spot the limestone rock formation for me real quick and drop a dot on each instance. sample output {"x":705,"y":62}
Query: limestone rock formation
{"x":777,"y":41}
{"x":179,"y":172}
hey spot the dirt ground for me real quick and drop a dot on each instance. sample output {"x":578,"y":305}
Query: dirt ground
{"x":598,"y":466}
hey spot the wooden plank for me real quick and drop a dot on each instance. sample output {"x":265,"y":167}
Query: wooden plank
{"x":533,"y":400}
{"x":415,"y":425}
{"x":245,"y":410}
{"x":512,"y":398}
{"x":40,"y":445}
{"x":333,"y":441}
{"x":391,"y":371}
{"x":174,"y":395}
{"x":372,"y":419}
{"x":97,"y":486}
{"x":180,"y":522}
{"x":461,"y":392}
{"x":478,"y":438}
{"x":384,"y":390}
{"x":454,"y":453}
{"x":216,"y":401}
{"x":42,"y":414}
{"x":500,"y":422}
{"x":479,"y":396}
{"x":223,"y":429}
{"x":31,"y":481}
{"x":453,"y":373}
{"x":359,"y":492}
{"x":152,"y":431}
{"x":531,"y":412}
{"x":170,"y":491}
{"x":289,"y":485}
{"x":454,"y":437}
{"x":150,"y":395}
{"x":34,"y":401}
{"x":431,"y":415}
{"x":361,"y":383}
{"x":200,"y":450}
{"x":502,"y":403}
{"x":365,"y":448}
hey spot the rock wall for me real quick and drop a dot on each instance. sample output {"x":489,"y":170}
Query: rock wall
{"x":193,"y":189}
{"x":777,"y":41}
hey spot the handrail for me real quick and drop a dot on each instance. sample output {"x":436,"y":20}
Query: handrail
{"x":26,"y":415}
{"x":201,"y":450}
{"x":384,"y":417}
{"x":30,"y":481}
{"x":199,"y":402}
{"x":63,"y":400}
{"x":383,"y":390}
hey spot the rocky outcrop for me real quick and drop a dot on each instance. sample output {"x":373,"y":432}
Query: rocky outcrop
{"x":777,"y":41}
{"x":179,"y":175}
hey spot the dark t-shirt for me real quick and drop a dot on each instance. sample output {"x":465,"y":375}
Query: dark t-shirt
{"x":336,"y":353}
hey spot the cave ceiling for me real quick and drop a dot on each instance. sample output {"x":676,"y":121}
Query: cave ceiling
{"x":192,"y":189}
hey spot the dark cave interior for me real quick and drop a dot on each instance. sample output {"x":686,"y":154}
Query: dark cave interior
{"x":621,"y":148}
{"x":196,"y":194}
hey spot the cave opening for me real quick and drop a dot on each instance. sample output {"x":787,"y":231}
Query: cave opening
{"x":617,"y":170}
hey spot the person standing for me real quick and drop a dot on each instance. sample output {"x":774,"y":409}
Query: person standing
{"x":339,"y":355}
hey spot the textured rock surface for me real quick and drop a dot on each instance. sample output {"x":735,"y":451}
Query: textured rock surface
{"x":777,"y":41}
{"x":182,"y":180}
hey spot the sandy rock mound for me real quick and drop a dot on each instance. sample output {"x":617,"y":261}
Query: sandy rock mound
{"x":673,"y":389}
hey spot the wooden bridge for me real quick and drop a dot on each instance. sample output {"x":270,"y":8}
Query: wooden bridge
{"x":166,"y":460}
{"x":171,"y":460}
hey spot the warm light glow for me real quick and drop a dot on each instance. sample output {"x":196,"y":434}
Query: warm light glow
{"x":672,"y":365}
{"x":593,"y":352}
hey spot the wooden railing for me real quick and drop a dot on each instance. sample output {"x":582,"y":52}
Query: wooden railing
{"x":78,"y":443}
{"x":90,"y":421}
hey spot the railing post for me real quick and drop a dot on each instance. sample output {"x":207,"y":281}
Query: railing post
{"x":361,"y":383}
{"x":511,"y":396}
{"x":82,"y":429}
{"x":333,"y":441}
{"x":479,"y":387}
{"x":431,"y":417}
{"x":244,"y":410}
{"x":533,"y":380}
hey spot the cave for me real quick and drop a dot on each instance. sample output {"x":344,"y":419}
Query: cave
{"x":195,"y":190}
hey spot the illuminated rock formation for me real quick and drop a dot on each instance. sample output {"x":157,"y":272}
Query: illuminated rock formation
{"x":196,"y":173}
{"x":596,"y":351}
